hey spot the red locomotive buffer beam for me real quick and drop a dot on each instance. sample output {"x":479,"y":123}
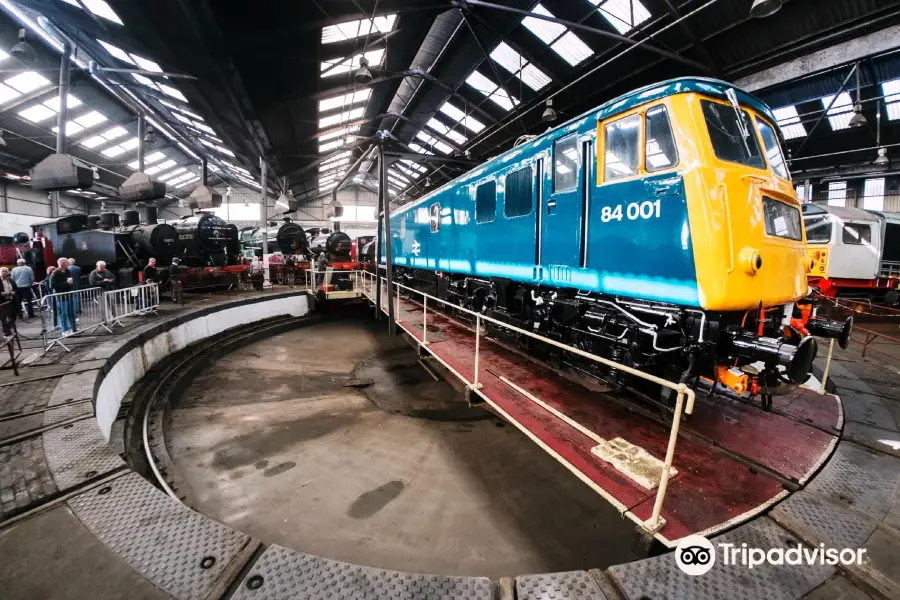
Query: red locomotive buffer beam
{"x":617,"y":451}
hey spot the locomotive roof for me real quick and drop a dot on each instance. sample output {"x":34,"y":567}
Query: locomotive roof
{"x":847,"y":213}
{"x":623,"y":103}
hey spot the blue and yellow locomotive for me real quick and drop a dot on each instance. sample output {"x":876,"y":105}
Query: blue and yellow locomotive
{"x":660,"y":230}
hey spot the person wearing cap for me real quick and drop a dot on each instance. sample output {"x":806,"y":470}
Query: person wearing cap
{"x":101,"y":277}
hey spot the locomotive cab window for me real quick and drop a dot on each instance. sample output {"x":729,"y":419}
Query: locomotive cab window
{"x":435,"y":217}
{"x":622,"y":148}
{"x":773,"y":149}
{"x":732,"y":140}
{"x":818,"y":229}
{"x":565,"y":164}
{"x":660,"y":152}
{"x":486,"y":202}
{"x":782,"y":220}
{"x":519,"y":193}
{"x":857,"y":234}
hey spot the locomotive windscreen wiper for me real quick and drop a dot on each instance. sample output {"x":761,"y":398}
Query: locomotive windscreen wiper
{"x":739,"y":115}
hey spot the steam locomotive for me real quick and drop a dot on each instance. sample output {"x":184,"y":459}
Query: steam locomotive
{"x":200,"y":241}
{"x":289,"y":239}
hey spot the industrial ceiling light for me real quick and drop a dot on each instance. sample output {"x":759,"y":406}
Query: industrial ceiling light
{"x":858,"y":119}
{"x":882,"y":159}
{"x":764,"y":8}
{"x":23,"y":50}
{"x":549,"y":114}
{"x":363,"y":75}
{"x":150,"y":135}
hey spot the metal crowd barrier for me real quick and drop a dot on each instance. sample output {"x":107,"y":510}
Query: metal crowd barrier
{"x":655,"y":522}
{"x":137,"y":300}
{"x":84,"y":311}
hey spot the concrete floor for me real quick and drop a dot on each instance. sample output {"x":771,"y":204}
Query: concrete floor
{"x":272,"y":442}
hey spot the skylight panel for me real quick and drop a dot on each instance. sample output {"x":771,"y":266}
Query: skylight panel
{"x":27,"y":82}
{"x":91,"y":119}
{"x":841,"y":112}
{"x":7,"y":94}
{"x":344,"y":100}
{"x":71,"y":102}
{"x":434,"y":142}
{"x":152,"y":170}
{"x":205,"y":128}
{"x":99,"y":8}
{"x":459,"y":116}
{"x":114,"y":133}
{"x":338,"y":133}
{"x":143,"y":79}
{"x":72,"y":128}
{"x":891,"y":90}
{"x":188,"y":181}
{"x":419,"y":148}
{"x":145,"y":64}
{"x":116,"y":52}
{"x":572,"y":49}
{"x":221,"y":149}
{"x":170,"y":91}
{"x":113,"y":151}
{"x":328,"y":146}
{"x":516,"y":64}
{"x":335,"y":165}
{"x":3,"y":55}
{"x":182,"y":118}
{"x":130,"y":144}
{"x":547,"y":31}
{"x":353,"y":29}
{"x":624,"y":15}
{"x":342,"y":117}
{"x":154,"y":157}
{"x":789,"y":122}
{"x":336,"y":158}
{"x":93,"y":142}
{"x":441,"y":128}
{"x":414,"y":165}
{"x":494,"y":92}
{"x":345,"y":65}
{"x":37,"y":113}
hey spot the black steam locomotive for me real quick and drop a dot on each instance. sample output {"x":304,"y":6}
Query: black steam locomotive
{"x":336,"y":245}
{"x":200,"y":240}
{"x":289,"y":239}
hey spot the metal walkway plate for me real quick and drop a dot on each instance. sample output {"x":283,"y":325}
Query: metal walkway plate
{"x":179,"y":550}
{"x":660,"y":578}
{"x":571,"y":585}
{"x":282,"y":574}
{"x":77,"y":452}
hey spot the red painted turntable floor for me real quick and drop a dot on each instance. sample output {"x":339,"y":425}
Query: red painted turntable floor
{"x":729,"y":456}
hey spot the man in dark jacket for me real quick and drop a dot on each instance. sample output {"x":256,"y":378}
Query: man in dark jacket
{"x":149,"y":273}
{"x":60,"y":283}
{"x":8,"y":293}
{"x":102,"y":277}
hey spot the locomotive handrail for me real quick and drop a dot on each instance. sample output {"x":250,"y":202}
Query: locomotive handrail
{"x":655,"y":522}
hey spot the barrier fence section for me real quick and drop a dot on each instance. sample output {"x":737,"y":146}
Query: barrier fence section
{"x":328,"y":282}
{"x":84,"y":311}
{"x":137,"y":300}
{"x":652,"y":525}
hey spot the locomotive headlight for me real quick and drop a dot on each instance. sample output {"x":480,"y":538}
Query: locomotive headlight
{"x":751,"y":260}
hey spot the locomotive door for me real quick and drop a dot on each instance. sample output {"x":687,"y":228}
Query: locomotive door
{"x":562,"y":209}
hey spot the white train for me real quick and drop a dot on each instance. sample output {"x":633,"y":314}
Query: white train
{"x":854,"y":252}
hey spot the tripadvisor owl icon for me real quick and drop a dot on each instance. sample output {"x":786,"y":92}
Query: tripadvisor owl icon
{"x":695,"y":555}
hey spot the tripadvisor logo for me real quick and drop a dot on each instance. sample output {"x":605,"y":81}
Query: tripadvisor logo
{"x":696,"y":555}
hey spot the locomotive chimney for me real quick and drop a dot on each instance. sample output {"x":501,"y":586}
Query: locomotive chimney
{"x":93,"y":221}
{"x":109,"y":220}
{"x":152,"y":215}
{"x":131,"y":217}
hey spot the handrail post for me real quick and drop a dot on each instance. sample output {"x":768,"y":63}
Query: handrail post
{"x":656,"y":522}
{"x":827,"y":366}
{"x":475,"y":384}
{"x":397,"y":312}
{"x":424,"y":319}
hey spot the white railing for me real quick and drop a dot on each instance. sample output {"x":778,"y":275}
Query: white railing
{"x":319,"y":282}
{"x":655,"y":522}
{"x":80,"y":312}
{"x":890,"y":268}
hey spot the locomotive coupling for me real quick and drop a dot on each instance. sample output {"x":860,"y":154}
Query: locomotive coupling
{"x":797,"y":360}
{"x":826,"y":328}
